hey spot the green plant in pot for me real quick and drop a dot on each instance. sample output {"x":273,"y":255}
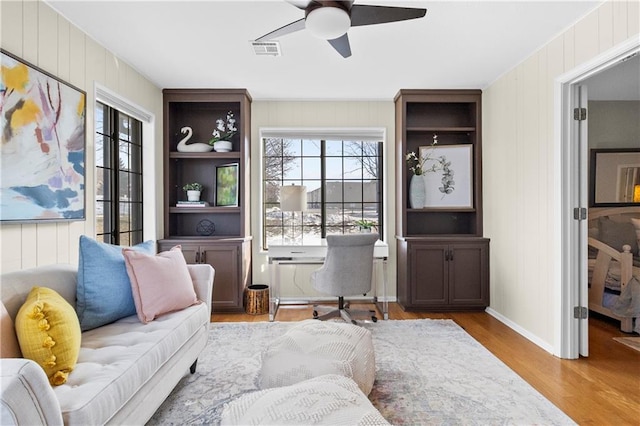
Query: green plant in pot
{"x":193,"y":191}
{"x":365,"y":225}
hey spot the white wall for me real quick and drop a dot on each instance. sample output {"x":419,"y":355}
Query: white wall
{"x":614,"y":124}
{"x":35,"y":32}
{"x":323,"y":114}
{"x":519,"y":177}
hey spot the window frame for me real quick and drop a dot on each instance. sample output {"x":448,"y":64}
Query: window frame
{"x":112,"y":149}
{"x":368,"y":135}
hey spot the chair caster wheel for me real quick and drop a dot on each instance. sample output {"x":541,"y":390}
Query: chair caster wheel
{"x":315,"y":314}
{"x":374,"y":319}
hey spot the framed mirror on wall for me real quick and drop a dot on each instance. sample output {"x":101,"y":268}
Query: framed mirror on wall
{"x":615,"y":177}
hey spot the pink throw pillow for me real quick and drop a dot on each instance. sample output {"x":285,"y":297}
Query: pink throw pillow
{"x":9,"y":347}
{"x":160,"y":284}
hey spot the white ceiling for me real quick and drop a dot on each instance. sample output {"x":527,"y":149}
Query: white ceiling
{"x":458,"y":44}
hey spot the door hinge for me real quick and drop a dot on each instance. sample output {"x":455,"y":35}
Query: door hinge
{"x":580,"y":312}
{"x":580,"y":114}
{"x":580,"y":213}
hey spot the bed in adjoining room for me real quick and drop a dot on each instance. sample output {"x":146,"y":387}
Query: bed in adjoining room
{"x":614,"y":264}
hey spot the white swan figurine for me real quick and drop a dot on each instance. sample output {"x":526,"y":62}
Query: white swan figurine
{"x":193,"y":147}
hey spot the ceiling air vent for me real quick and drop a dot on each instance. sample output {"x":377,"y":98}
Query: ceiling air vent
{"x":266,"y":48}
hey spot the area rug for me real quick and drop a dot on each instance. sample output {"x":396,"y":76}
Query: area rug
{"x":427,"y":372}
{"x":632,"y":342}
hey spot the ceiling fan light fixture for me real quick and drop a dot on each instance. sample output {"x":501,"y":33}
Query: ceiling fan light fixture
{"x":328,"y":22}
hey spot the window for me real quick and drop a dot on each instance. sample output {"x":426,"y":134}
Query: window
{"x":118,"y":177}
{"x":343,"y":180}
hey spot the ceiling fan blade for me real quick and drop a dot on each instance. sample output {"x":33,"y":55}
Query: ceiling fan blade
{"x":300,"y":4}
{"x":287,"y":29}
{"x":369,"y":15}
{"x":341,"y":44}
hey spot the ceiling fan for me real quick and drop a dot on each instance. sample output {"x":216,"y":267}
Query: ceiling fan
{"x":330,"y":20}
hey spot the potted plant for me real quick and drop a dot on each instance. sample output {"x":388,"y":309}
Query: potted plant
{"x":225,"y":129}
{"x":365,"y":225}
{"x":193,"y":191}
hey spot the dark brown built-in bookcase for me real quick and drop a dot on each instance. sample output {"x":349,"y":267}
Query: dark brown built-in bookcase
{"x":443,"y":259}
{"x":228,"y":248}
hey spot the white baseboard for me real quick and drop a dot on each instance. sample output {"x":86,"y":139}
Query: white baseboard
{"x":524,"y":333}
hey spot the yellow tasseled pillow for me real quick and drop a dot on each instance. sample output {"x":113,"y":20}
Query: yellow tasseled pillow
{"x":48,"y":331}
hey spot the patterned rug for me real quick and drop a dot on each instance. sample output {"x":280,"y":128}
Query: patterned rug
{"x":632,"y":342}
{"x":427,"y":372}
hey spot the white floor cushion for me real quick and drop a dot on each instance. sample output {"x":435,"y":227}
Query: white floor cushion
{"x":315,"y":348}
{"x":325,"y":400}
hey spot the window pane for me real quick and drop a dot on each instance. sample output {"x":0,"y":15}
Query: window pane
{"x":352,"y":191}
{"x":311,"y":167}
{"x":123,"y":129}
{"x":352,"y":168}
{"x":293,"y":169}
{"x":333,"y":191}
{"x":123,"y":150}
{"x":334,"y":148}
{"x":311,"y":148}
{"x":333,"y":168}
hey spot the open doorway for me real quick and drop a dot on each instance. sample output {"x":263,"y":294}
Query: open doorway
{"x":597,"y":98}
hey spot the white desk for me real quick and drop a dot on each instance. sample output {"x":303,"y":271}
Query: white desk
{"x":314,"y":253}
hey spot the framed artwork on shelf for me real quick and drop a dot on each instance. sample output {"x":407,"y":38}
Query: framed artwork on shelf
{"x":614,"y":177}
{"x":227,"y":185}
{"x":448,"y":176}
{"x":43,"y":122}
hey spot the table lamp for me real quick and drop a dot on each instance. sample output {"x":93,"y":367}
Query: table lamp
{"x":293,"y":198}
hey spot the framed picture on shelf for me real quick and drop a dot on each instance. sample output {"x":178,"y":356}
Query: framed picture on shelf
{"x":448,"y":176}
{"x":42,"y":172}
{"x":614,"y":177}
{"x":227,"y":185}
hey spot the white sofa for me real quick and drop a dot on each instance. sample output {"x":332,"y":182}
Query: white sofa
{"x":125,"y":370}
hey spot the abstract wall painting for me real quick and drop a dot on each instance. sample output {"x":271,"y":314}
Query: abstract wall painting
{"x":43,"y":122}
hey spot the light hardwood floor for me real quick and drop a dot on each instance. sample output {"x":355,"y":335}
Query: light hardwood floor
{"x":603,"y":389}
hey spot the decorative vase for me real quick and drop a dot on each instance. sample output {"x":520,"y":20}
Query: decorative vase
{"x":222,"y":146}
{"x":193,"y":195}
{"x":417,"y":192}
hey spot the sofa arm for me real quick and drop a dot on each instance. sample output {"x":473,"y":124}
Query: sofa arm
{"x":202,"y":276}
{"x":27,"y":397}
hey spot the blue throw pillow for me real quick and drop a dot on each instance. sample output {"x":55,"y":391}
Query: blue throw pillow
{"x":104,"y":290}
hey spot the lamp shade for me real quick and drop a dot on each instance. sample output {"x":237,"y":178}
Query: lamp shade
{"x":293,"y":198}
{"x":636,"y":194}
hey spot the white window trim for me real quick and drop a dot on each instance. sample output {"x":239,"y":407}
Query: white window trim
{"x":112,"y":99}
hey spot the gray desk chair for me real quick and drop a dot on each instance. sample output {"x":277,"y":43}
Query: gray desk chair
{"x":346,"y":271}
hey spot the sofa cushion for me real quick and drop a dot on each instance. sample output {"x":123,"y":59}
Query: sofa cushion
{"x":159,"y":283}
{"x":49,"y":333}
{"x":329,"y":400}
{"x":104,"y":290}
{"x":117,"y":359}
{"x":9,"y":347}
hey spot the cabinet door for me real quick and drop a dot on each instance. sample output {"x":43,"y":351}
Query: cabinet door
{"x":429,"y":274}
{"x":227,"y":295}
{"x":189,"y":251}
{"x":469,"y":274}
